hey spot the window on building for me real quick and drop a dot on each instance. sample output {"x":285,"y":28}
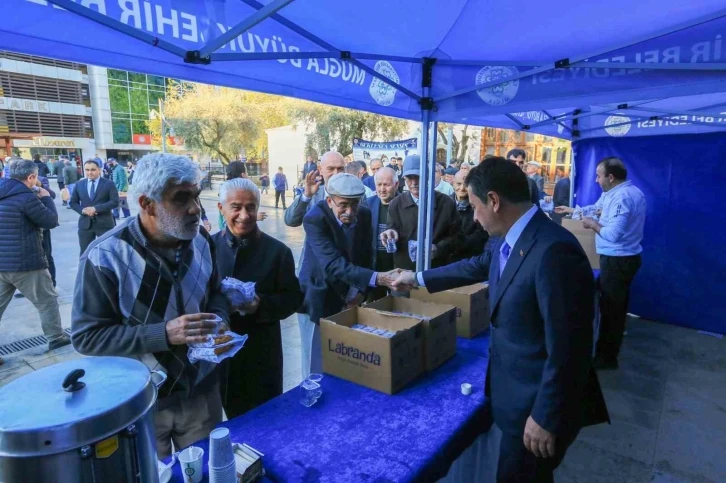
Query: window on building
{"x":121,"y":129}
{"x":561,"y":156}
{"x":47,"y":124}
{"x":546,"y":154}
{"x":132,"y":97}
{"x":529,"y":137}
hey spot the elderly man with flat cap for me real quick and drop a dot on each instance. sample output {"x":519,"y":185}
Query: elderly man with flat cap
{"x":337,"y":271}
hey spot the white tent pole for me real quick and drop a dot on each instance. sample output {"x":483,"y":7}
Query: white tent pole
{"x":572,"y":176}
{"x":242,"y":27}
{"x":421,"y":230}
{"x":449,"y":142}
{"x":163,"y":125}
{"x":430,"y":188}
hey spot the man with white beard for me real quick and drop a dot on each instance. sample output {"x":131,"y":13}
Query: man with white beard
{"x":149,"y":287}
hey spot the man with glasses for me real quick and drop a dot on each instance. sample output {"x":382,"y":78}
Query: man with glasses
{"x":337,"y":271}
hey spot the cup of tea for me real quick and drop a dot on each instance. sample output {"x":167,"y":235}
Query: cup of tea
{"x":190,"y":461}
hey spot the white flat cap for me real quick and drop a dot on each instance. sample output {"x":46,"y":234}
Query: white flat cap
{"x":535,"y":164}
{"x":345,"y":185}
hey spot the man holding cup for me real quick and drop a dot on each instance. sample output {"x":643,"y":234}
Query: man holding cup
{"x":148,"y":288}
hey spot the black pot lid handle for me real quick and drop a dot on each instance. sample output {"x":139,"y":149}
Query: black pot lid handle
{"x":72,"y":383}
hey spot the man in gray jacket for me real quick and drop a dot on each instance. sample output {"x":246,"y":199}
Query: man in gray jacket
{"x":331,"y":164}
{"x":70,"y":177}
{"x":148,"y":288}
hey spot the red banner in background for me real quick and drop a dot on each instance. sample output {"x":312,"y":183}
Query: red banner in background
{"x":175,"y":141}
{"x":142,"y":139}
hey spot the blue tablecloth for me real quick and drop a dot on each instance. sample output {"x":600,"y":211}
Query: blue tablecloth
{"x":356,"y":434}
{"x":479,"y":345}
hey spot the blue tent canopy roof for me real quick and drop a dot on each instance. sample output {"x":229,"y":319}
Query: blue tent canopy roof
{"x":562,"y":67}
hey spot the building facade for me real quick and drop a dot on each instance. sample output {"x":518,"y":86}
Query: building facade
{"x":44,"y":108}
{"x":122,"y":105}
{"x":554,"y":154}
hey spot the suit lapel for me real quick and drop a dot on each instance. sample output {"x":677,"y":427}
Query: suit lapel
{"x":83,"y":186}
{"x":516,"y":258}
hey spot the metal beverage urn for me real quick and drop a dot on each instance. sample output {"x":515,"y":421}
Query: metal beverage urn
{"x":85,"y":420}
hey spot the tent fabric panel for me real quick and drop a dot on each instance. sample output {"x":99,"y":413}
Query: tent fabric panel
{"x":681,"y":280}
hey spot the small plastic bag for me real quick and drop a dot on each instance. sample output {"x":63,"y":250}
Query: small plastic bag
{"x":238,"y":293}
{"x":412,"y":248}
{"x":213,"y":351}
{"x":391,"y":246}
{"x":577,"y":215}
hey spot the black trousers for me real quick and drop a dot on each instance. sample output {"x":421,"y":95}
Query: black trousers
{"x":518,"y":465}
{"x":85,"y":237}
{"x":616,"y":276}
{"x":278,"y":195}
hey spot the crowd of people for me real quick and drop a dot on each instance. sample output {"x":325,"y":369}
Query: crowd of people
{"x":150,"y":285}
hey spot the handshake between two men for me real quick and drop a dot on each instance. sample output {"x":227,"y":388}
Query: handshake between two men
{"x":397,"y":279}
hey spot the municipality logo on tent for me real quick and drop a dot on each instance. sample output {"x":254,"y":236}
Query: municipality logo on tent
{"x":499,"y":94}
{"x":381,"y":92}
{"x":614,"y":125}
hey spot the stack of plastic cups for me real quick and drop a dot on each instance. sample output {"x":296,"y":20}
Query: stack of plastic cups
{"x":221,"y":458}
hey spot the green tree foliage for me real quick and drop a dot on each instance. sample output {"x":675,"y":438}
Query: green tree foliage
{"x":222,"y":122}
{"x":333,"y":128}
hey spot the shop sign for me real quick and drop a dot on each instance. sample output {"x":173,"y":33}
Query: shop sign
{"x":24,"y":104}
{"x":54,"y":143}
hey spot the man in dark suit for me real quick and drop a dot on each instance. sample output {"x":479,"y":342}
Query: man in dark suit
{"x":254,"y":375}
{"x":541,"y":382}
{"x":94,"y":198}
{"x":331,"y":163}
{"x":337,"y":271}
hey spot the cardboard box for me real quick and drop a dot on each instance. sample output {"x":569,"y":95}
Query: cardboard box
{"x":586,"y":237}
{"x":439,"y":322}
{"x":472,"y":306}
{"x":374,"y":361}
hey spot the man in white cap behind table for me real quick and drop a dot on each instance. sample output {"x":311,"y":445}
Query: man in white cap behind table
{"x":403,"y":221}
{"x":337,"y":270}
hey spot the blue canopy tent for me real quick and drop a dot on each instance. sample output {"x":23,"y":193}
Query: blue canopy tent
{"x":577,"y":70}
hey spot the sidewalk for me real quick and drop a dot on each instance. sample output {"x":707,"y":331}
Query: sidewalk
{"x":20,"y":320}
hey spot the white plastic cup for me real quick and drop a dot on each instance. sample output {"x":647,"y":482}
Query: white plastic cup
{"x":220,"y":448}
{"x":226,"y":474}
{"x":317,"y":378}
{"x":466,"y":389}
{"x":190,"y":461}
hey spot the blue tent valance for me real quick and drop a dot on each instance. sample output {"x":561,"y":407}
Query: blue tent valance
{"x":562,"y":68}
